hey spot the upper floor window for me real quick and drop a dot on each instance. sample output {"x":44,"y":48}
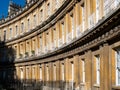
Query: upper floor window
{"x":48,"y":8}
{"x":41,"y":14}
{"x":110,"y":5}
{"x":63,"y":32}
{"x":83,"y":17}
{"x":16,"y":30}
{"x":56,"y":4}
{"x":34,"y":20}
{"x":10,"y":32}
{"x":97,"y":10}
{"x":22,"y":27}
{"x":41,"y":42}
{"x":28,"y":24}
{"x":72,"y":22}
{"x":118,"y":66}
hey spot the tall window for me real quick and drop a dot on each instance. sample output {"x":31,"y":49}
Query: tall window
{"x":83,"y":18}
{"x":48,"y":8}
{"x":21,"y":73}
{"x":110,"y":5}
{"x":63,"y":32}
{"x":33,"y":73}
{"x":56,"y":4}
{"x":72,"y":24}
{"x":118,"y":67}
{"x":40,"y":73}
{"x":97,"y":69}
{"x":15,"y":52}
{"x":28,"y":24}
{"x":10,"y":32}
{"x":40,"y":44}
{"x":27,"y":73}
{"x":54,"y":72}
{"x":34,"y":20}
{"x":63,"y":72}
{"x":4,"y":35}
{"x":41,"y":15}
{"x":22,"y":27}
{"x":97,"y":10}
{"x":72,"y":69}
{"x":16,"y":29}
{"x":83,"y":71}
{"x":47,"y":73}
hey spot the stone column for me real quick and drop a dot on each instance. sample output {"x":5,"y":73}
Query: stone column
{"x":106,"y":66}
{"x":66,"y":73}
{"x":76,"y":71}
{"x":66,"y":26}
{"x":88,"y":70}
{"x":58,"y":74}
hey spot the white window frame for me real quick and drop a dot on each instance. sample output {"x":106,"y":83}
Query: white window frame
{"x":35,"y":20}
{"x":16,"y":28}
{"x":40,"y":44}
{"x":97,"y":69}
{"x":27,"y":73}
{"x":97,"y":10}
{"x":83,"y":71}
{"x":72,"y":24}
{"x":47,"y":71}
{"x":54,"y":72}
{"x":41,"y":15}
{"x":10,"y":33}
{"x":48,"y":9}
{"x":40,"y":73}
{"x":83,"y":18}
{"x":22,"y":27}
{"x":21,"y":73}
{"x":63,"y":32}
{"x":28,"y":21}
{"x":5,"y":32}
{"x":117,"y":68}
{"x":63,"y":74}
{"x":33,"y":73}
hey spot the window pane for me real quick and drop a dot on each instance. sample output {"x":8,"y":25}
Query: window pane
{"x":118,"y":76}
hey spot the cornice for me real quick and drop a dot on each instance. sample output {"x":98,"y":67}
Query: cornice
{"x":95,"y":43}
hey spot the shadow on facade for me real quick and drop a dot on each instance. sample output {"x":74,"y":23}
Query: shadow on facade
{"x":37,"y":85}
{"x":10,"y":81}
{"x":7,"y":68}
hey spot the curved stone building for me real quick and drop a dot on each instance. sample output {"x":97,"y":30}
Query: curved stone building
{"x":61,"y":45}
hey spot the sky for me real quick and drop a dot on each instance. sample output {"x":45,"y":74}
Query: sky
{"x":4,"y":6}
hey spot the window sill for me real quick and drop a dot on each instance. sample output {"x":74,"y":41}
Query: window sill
{"x":83,"y":84}
{"x":96,"y":85}
{"x":116,"y":87}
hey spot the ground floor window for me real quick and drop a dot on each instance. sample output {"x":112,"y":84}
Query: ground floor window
{"x":118,"y":66}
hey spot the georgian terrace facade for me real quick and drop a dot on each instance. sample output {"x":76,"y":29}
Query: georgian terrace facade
{"x":70,"y":41}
